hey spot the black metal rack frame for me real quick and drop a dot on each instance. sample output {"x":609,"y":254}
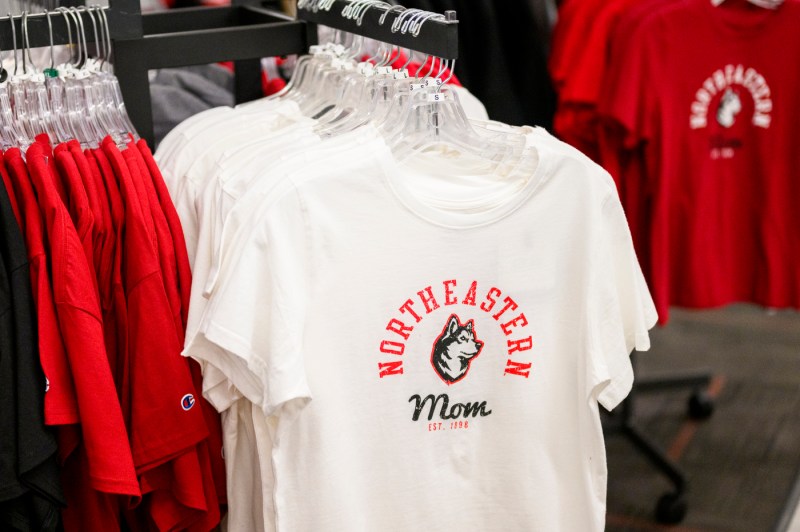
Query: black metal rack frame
{"x":436,"y":37}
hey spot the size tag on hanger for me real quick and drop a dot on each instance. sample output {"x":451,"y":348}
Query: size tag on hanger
{"x":400,"y":74}
{"x":433,"y":82}
{"x":439,"y":97}
{"x":385,"y":70}
{"x":417,"y":86}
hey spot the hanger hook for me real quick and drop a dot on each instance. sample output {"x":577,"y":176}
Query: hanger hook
{"x":452,"y":67}
{"x":109,"y":49}
{"x":97,"y":41}
{"x":74,"y":58}
{"x":27,"y":43}
{"x":24,"y":40}
{"x":13,"y":40}
{"x":387,"y":11}
{"x":50,"y":33}
{"x":82,"y":35}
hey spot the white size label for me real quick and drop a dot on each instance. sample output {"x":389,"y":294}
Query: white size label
{"x":439,"y":97}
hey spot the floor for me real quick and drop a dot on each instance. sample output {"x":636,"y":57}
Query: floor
{"x":742,"y":463}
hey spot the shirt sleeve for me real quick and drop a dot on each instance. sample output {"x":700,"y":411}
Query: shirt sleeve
{"x":621,"y":311}
{"x":258,"y":309}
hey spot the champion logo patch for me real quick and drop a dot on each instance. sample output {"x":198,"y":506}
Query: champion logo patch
{"x":187,"y":401}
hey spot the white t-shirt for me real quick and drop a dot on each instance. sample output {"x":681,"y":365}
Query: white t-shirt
{"x":455,"y":355}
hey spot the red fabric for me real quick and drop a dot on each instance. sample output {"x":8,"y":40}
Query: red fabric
{"x":79,"y":207}
{"x":214,"y":442}
{"x":118,"y":316}
{"x":170,"y":471}
{"x":103,"y":462}
{"x":105,"y":261}
{"x":724,"y":221}
{"x":11,"y":194}
{"x":60,"y":403}
{"x":164,"y":247}
{"x":271,"y":86}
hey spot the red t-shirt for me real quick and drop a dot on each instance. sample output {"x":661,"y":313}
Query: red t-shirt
{"x":60,"y":404}
{"x":103,"y":462}
{"x":164,"y":246}
{"x":715,"y":115}
{"x":119,"y":330}
{"x":78,"y":203}
{"x":11,"y":194}
{"x":167,"y":461}
{"x":99,"y":206}
{"x":104,"y":254}
{"x":214,"y":442}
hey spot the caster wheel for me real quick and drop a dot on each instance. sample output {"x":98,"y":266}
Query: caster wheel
{"x":701,"y":406}
{"x":671,"y":509}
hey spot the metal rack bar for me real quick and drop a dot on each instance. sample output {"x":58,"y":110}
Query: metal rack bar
{"x":436,"y":37}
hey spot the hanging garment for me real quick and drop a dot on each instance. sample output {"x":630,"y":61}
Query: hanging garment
{"x":715,"y":177}
{"x":323,"y":268}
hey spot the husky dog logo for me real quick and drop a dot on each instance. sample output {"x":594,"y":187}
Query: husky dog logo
{"x":454,"y":350}
{"x":729,"y":106}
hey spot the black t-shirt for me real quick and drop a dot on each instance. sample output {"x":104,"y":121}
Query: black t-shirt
{"x":34,"y":459}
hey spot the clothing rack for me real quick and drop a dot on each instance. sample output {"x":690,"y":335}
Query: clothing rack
{"x":243,"y":32}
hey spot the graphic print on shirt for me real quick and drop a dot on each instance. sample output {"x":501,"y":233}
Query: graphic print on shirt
{"x":454,"y":348}
{"x":737,"y":98}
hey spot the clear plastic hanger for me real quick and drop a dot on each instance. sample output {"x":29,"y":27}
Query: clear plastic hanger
{"x":366,"y":97}
{"x":95,"y":84}
{"x":119,"y":112}
{"x":351,"y":90}
{"x":56,"y":89}
{"x":8,"y":133}
{"x":429,"y":119}
{"x":81,"y":101}
{"x":16,"y":95}
{"x":37,"y":100}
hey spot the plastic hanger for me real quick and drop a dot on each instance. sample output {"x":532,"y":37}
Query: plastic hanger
{"x":429,"y":118}
{"x":353,"y":89}
{"x":56,"y":88}
{"x":16,"y":95}
{"x":119,"y":111}
{"x":72,"y":74}
{"x":96,"y":87}
{"x":58,"y":125}
{"x":367,"y":97}
{"x":38,"y":103}
{"x":8,"y":133}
